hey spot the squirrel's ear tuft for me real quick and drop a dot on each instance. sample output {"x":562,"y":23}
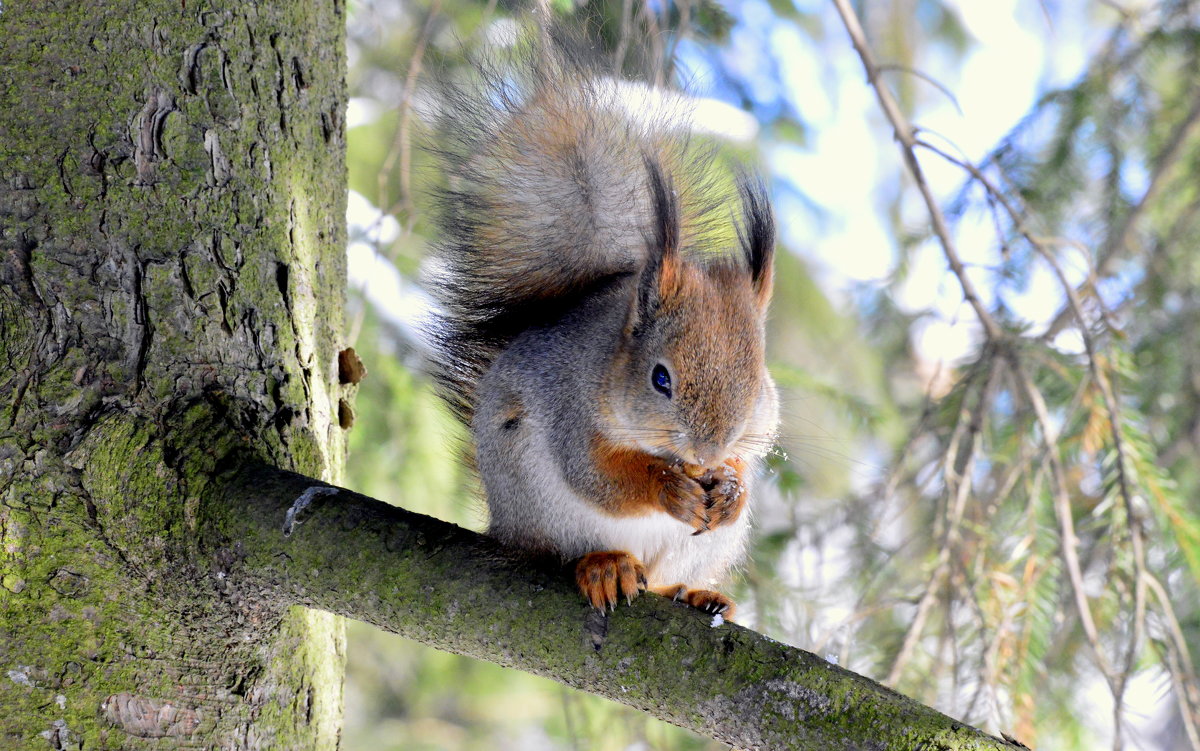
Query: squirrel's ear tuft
{"x":757,"y":235}
{"x":662,"y":273}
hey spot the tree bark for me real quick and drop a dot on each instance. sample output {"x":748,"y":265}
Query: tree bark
{"x":276,"y":535}
{"x":171,"y":281}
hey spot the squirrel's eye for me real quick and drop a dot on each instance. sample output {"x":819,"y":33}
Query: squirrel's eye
{"x":661,"y":379}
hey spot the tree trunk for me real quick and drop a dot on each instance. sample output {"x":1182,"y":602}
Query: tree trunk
{"x":171,"y":281}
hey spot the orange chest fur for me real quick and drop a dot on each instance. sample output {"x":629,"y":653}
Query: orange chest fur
{"x":634,"y":480}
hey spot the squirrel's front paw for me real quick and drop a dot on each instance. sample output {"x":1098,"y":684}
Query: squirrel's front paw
{"x":684,"y":498}
{"x":604,"y":576}
{"x":725,"y":495}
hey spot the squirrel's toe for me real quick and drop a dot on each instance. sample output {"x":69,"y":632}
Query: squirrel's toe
{"x":711,"y":602}
{"x":605,"y":576}
{"x":672,"y":592}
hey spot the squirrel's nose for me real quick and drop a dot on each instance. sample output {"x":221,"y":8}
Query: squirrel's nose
{"x":709,"y":446}
{"x":706,"y":453}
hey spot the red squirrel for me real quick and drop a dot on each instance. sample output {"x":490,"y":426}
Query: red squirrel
{"x":602,"y":284}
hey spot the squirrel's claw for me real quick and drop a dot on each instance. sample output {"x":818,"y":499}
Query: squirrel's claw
{"x":603,"y":577}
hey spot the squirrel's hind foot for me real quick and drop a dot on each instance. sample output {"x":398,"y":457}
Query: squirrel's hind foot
{"x":604,"y":576}
{"x":713,"y":603}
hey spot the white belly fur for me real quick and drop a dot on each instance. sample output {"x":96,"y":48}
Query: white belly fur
{"x":667,"y":547}
{"x":575,"y":527}
{"x":545,"y":509}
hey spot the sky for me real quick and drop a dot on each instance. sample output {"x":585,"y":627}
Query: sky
{"x":1003,"y":73}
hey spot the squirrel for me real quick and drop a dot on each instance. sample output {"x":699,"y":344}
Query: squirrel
{"x":602,"y":288}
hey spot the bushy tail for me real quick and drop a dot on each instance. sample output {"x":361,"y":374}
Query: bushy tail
{"x":547,"y":196}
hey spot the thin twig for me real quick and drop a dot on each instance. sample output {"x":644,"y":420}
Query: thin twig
{"x":623,"y":36}
{"x":936,"y":581}
{"x":1122,"y":236}
{"x":1184,"y":673}
{"x":1132,"y":514}
{"x":958,"y":481}
{"x":681,"y":32}
{"x":890,"y":67}
{"x":654,"y":42}
{"x":906,"y":135}
{"x":401,"y":148}
{"x":897,"y":473}
{"x":1062,"y":508}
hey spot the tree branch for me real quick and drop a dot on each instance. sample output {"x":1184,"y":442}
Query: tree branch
{"x":458,"y":591}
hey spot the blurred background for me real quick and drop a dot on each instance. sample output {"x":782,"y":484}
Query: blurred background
{"x":990,"y":504}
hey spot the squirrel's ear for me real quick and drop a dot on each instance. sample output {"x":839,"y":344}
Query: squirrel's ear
{"x":757,"y":236}
{"x":662,"y":273}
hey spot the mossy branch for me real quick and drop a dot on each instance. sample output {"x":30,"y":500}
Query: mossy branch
{"x":273,"y":534}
